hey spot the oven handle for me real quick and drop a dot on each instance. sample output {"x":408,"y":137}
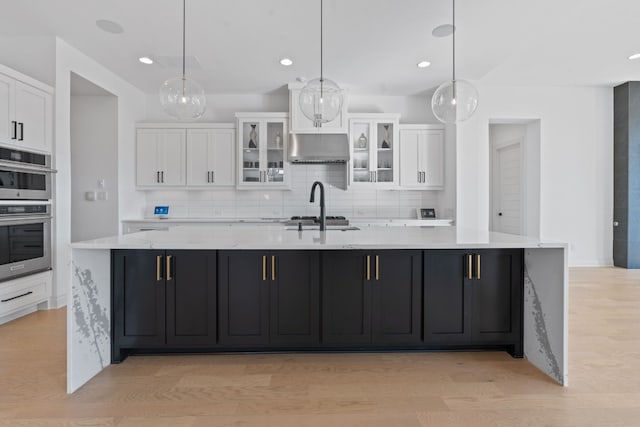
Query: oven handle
{"x":24,"y":220}
{"x":19,"y":167}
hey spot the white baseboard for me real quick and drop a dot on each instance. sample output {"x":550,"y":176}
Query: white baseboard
{"x":19,"y":313}
{"x":591,"y":263}
{"x":56,"y":302}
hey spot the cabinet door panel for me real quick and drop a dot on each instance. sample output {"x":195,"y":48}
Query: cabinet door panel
{"x":409,"y":160}
{"x":7,"y":92}
{"x":223,"y":157}
{"x":497,"y":295}
{"x":191,"y":298}
{"x":397,"y":297}
{"x":139,"y":298}
{"x":346,"y":298}
{"x":198,"y":147}
{"x":295,"y":297}
{"x":447,"y":297}
{"x":172,"y":154}
{"x":244,"y":302}
{"x":432,"y":158}
{"x":147,"y":165}
{"x":31,"y":111}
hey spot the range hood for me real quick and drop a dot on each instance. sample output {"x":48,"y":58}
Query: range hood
{"x":318,"y":148}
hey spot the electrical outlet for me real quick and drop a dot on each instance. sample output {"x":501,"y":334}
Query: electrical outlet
{"x":103,"y":195}
{"x":90,"y":196}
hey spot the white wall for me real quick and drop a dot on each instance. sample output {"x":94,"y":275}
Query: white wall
{"x":131,"y":109}
{"x":576,"y":157}
{"x":31,"y":55}
{"x":94,"y":157}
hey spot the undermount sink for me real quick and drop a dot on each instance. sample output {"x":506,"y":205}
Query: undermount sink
{"x":329,"y":228}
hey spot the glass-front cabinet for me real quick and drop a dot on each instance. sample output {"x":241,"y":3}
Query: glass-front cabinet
{"x":262,"y":150}
{"x":373,"y":140}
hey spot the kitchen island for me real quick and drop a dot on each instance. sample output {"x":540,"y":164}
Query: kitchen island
{"x":273,"y":288}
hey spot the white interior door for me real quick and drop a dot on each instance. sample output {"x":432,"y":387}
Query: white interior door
{"x":507,"y":188}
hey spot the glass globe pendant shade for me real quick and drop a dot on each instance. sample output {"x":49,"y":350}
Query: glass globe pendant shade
{"x":183,"y":98}
{"x":321,"y":101}
{"x":454,"y":101}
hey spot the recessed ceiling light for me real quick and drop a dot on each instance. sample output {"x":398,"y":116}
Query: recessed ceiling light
{"x":423,"y":64}
{"x":443,"y":30}
{"x":145,"y":60}
{"x":634,"y":56}
{"x":286,"y":62}
{"x":109,"y":26}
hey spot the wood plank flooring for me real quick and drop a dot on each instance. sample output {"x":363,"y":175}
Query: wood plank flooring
{"x":416,"y":389}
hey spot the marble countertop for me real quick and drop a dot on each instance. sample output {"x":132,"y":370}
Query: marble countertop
{"x":279,"y":237}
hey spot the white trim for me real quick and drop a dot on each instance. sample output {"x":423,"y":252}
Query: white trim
{"x":258,"y":116}
{"x":17,"y":314}
{"x":418,"y":126}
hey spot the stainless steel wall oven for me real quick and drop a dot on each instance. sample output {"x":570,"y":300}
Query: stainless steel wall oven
{"x":24,"y":175}
{"x":25,"y":239}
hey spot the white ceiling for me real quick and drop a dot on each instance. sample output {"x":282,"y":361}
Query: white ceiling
{"x":371,"y":46}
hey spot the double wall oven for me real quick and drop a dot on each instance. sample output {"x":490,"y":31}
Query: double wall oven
{"x":25,"y":213}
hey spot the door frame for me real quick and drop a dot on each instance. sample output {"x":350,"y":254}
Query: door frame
{"x":493,"y":188}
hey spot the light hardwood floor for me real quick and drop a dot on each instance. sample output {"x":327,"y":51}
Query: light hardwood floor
{"x":427,"y":389}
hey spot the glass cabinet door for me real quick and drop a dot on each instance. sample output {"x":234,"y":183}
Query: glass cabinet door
{"x":361,"y":140}
{"x":251,"y":142}
{"x":274,"y":168}
{"x":385,"y":146}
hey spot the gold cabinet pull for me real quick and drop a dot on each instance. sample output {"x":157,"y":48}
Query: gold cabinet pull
{"x":169,"y":267}
{"x":158,"y":270}
{"x":377,"y":269}
{"x":273,"y":267}
{"x":264,"y":267}
{"x":469,"y":266}
{"x":478,"y":266}
{"x":368,"y":273}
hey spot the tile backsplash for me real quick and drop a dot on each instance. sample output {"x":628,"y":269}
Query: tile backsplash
{"x":352,"y":203}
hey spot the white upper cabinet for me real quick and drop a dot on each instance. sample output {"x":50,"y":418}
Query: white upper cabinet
{"x":26,"y":118}
{"x":422,"y":157}
{"x":299,"y":123}
{"x":160,"y":157}
{"x":373,"y":141}
{"x":211,"y":157}
{"x":262,"y":151}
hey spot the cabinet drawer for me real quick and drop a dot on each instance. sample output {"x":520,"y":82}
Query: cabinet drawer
{"x":21,"y":293}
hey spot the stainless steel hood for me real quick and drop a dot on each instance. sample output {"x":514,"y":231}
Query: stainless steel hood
{"x":318,"y":148}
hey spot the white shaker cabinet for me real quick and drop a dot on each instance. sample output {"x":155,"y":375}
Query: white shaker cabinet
{"x":299,"y":123}
{"x":26,"y":118}
{"x":373,"y":141}
{"x":160,"y":157}
{"x":422,"y":157}
{"x":211,"y":157}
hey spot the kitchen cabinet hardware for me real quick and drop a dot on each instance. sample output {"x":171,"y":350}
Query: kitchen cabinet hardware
{"x":21,"y":127}
{"x":17,"y":296}
{"x":158,"y":268}
{"x":264,"y":268}
{"x":14,"y":129}
{"x":469,"y":266}
{"x":273,"y":267}
{"x":377,"y":268}
{"x":213,"y":177}
{"x":478,"y":266}
{"x":368,"y":267}
{"x":169,"y":277}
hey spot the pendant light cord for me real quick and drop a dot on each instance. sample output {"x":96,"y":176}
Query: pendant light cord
{"x":321,"y":47}
{"x":184,"y":20}
{"x":454,"y":40}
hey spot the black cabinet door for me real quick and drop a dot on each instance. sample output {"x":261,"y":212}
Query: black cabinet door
{"x":346,"y":297}
{"x":138,"y":298}
{"x":295,"y":298}
{"x":447,"y":297}
{"x":244,"y":297}
{"x":397,"y":292}
{"x":191,"y":298}
{"x":497,"y":295}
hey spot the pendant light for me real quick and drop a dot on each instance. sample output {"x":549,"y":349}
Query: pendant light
{"x":456,"y":100}
{"x":321,"y":98}
{"x":182,"y":97}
